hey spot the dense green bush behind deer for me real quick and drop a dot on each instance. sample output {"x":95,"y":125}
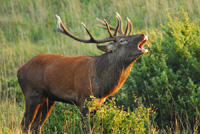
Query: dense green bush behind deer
{"x":169,"y":77}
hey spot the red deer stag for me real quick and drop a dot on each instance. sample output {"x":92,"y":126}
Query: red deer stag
{"x":48,"y":78}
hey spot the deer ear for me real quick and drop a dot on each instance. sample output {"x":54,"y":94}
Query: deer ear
{"x":107,"y":47}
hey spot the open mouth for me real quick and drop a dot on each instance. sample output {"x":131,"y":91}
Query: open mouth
{"x":142,"y":43}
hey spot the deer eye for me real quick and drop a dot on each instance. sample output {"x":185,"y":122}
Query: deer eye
{"x":123,"y":41}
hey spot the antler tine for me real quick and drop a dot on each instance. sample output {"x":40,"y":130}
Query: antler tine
{"x":121,"y":23}
{"x":127,"y":27}
{"x":108,"y":27}
{"x":58,"y":25}
{"x":92,"y":38}
{"x":118,"y":26}
{"x":131,"y":26}
{"x":111,"y":27}
{"x":102,"y":22}
{"x":61,"y":28}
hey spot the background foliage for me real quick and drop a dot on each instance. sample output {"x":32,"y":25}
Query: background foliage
{"x":166,"y":79}
{"x":168,"y":76}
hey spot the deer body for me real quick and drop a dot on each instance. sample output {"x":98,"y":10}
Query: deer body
{"x":73,"y":79}
{"x":48,"y":78}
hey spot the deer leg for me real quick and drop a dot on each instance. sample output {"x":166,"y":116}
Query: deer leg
{"x":89,"y":125}
{"x":32,"y":106}
{"x":42,"y":114}
{"x":84,"y":112}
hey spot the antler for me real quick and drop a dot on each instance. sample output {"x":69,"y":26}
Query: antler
{"x":119,"y":28}
{"x":108,"y":27}
{"x":61,"y":28}
{"x":131,"y":26}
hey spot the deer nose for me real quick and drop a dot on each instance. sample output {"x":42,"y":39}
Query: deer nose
{"x":145,"y":37}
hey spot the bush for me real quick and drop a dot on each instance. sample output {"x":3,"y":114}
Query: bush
{"x":114,"y":120}
{"x":63,"y":118}
{"x":169,"y":75}
{"x":108,"y":119}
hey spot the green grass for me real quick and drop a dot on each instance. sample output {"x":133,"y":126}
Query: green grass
{"x":10,"y":116}
{"x":27,"y":28}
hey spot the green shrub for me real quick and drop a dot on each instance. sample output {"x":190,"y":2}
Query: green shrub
{"x":169,"y":75}
{"x":108,"y":119}
{"x":63,"y":118}
{"x":114,"y":120}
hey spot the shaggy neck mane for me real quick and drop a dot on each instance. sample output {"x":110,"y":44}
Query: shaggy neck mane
{"x":111,"y":72}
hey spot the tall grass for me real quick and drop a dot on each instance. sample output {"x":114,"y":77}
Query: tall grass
{"x":10,"y":116}
{"x":27,"y":28}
